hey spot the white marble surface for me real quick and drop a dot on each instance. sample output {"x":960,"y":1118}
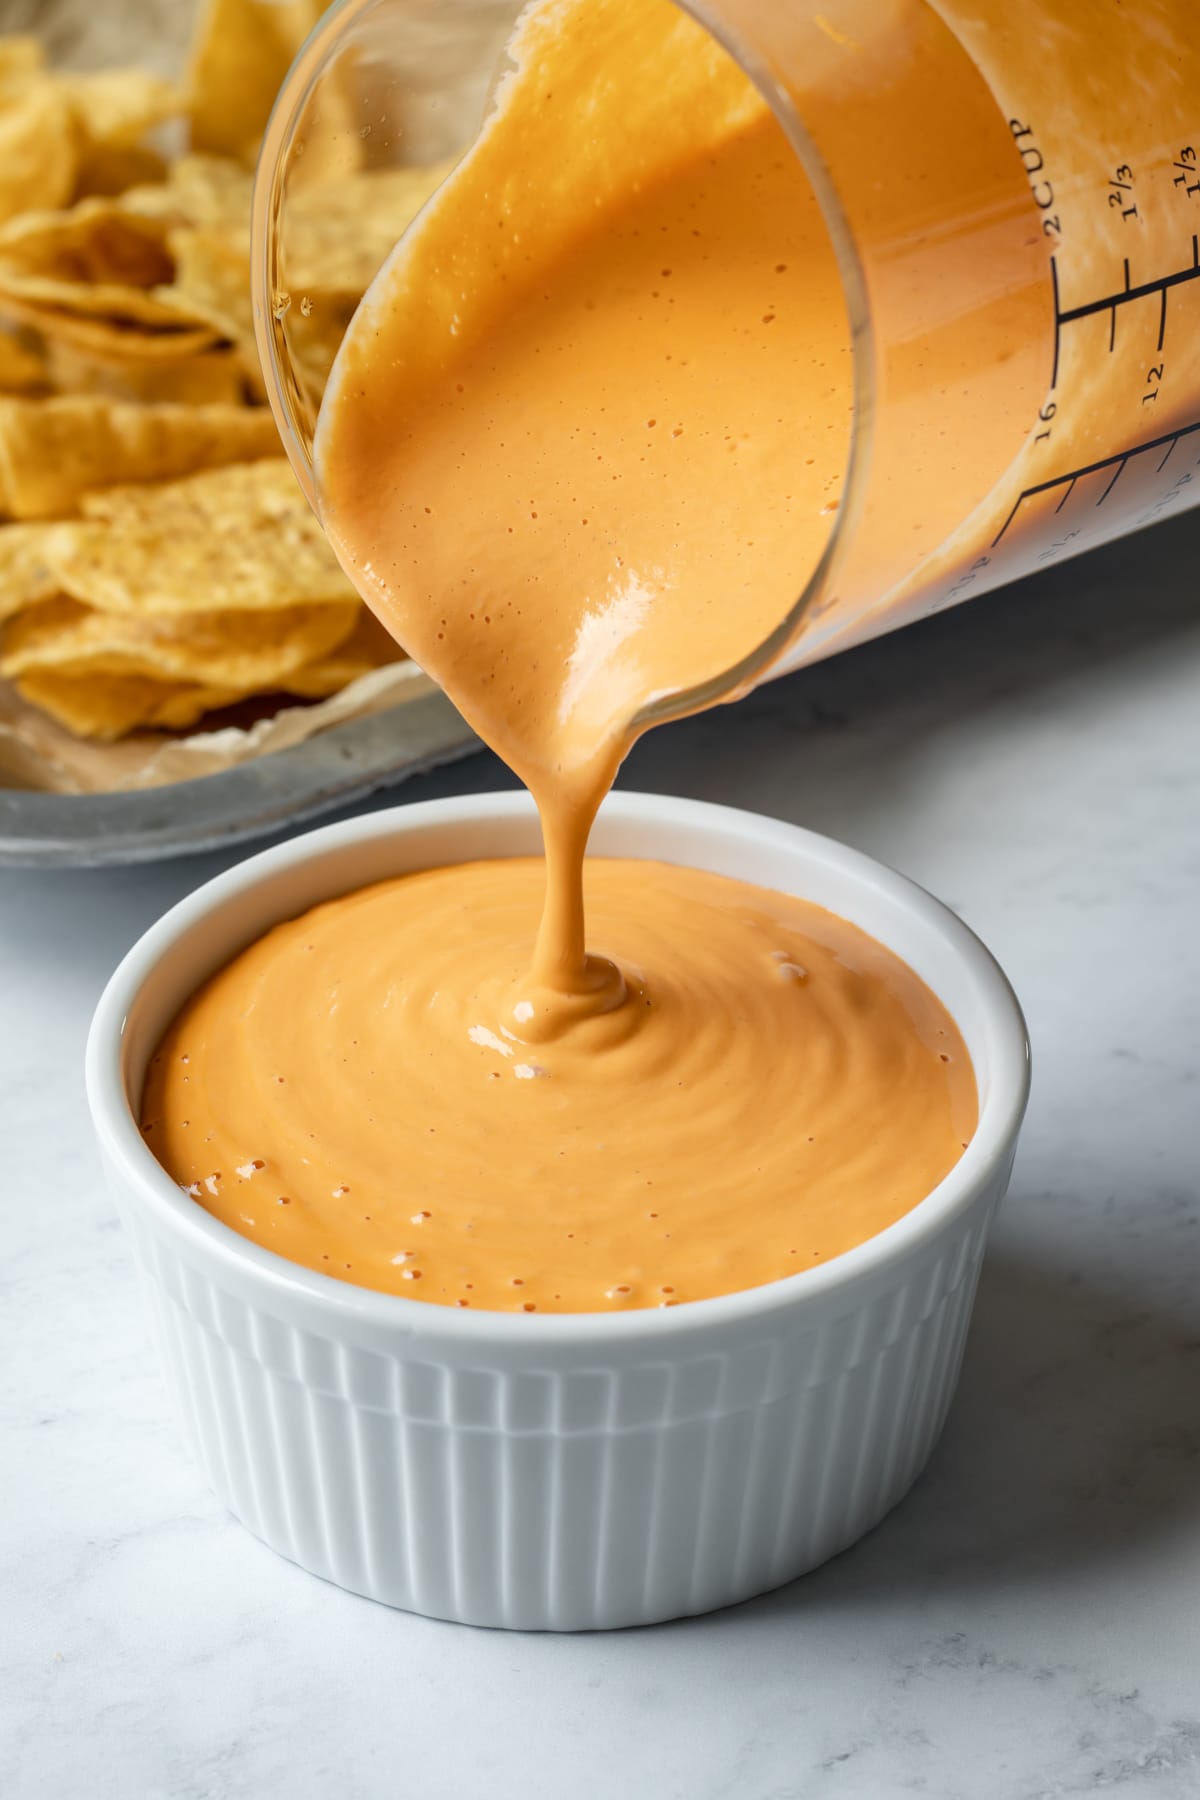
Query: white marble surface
{"x":1026,"y":1625}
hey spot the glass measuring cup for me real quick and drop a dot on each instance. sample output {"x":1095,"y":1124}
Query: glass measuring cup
{"x":1012,"y":192}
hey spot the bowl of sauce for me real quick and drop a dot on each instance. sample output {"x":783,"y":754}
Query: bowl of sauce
{"x":717,"y":1238}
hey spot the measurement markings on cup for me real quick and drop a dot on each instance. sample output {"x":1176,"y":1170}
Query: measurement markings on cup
{"x":1116,"y":463}
{"x":1110,"y":302}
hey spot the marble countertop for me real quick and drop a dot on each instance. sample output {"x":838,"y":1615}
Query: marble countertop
{"x":1026,"y":1625}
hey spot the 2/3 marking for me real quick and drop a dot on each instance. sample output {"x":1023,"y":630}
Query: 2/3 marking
{"x":1120,"y":192}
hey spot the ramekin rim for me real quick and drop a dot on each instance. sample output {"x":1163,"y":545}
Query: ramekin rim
{"x":116,"y":1126}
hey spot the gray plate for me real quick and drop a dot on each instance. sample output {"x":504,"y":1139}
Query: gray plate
{"x":342,"y":764}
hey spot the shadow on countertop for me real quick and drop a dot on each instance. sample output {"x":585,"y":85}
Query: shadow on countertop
{"x":1074,"y":1439}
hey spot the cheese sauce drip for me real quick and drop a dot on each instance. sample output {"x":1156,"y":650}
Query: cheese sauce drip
{"x":582,"y":447}
{"x":776,"y":1088}
{"x":563,"y":452}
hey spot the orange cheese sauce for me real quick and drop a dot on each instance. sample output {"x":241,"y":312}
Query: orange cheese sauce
{"x":608,"y":465}
{"x":582,"y":447}
{"x":776,"y":1088}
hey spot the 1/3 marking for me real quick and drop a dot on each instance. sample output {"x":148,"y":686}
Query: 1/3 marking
{"x":1188,"y":177}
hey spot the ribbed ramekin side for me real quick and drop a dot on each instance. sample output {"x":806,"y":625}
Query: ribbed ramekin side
{"x":613,"y":1493}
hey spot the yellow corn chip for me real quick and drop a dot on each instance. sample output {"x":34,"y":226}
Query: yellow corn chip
{"x":106,"y":336}
{"x":245,"y":651}
{"x":25,"y":577}
{"x":213,"y":190}
{"x":313,"y":342}
{"x":22,"y":367}
{"x":199,"y":190}
{"x":38,"y":146}
{"x":95,"y":241}
{"x":270,"y":488}
{"x":112,"y":708}
{"x":154,"y":199}
{"x":54,"y":451}
{"x":196,"y":576}
{"x":241,"y":52}
{"x":95,"y":259}
{"x":111,"y":705}
{"x":335,"y":236}
{"x":116,"y":107}
{"x":186,"y":377}
{"x":240,"y":537}
{"x":211,"y":285}
{"x":368,"y":647}
{"x":83,"y":132}
{"x":20,"y":57}
{"x":124,"y":306}
{"x":113,"y":169}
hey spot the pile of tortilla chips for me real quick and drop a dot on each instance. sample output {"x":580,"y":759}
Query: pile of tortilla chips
{"x":157,"y":559}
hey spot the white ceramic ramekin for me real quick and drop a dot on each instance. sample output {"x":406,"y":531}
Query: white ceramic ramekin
{"x":578,"y":1470}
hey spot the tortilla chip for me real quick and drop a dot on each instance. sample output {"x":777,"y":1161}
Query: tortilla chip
{"x":20,"y":57}
{"x":199,"y":190}
{"x":368,"y":647}
{"x":211,"y":285}
{"x":335,"y":236}
{"x":54,"y":451}
{"x":111,"y":706}
{"x":116,"y":107}
{"x":113,"y":169}
{"x":74,"y":134}
{"x":246,"y":652}
{"x":234,"y":538}
{"x":22,"y":367}
{"x":111,"y":709}
{"x":25,"y":576}
{"x":187,"y":377}
{"x":204,"y":191}
{"x":124,"y":306}
{"x":313,"y":340}
{"x":106,"y":336}
{"x":94,"y":259}
{"x":241,"y":52}
{"x":38,"y":146}
{"x":213,"y":190}
{"x":96,"y":241}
